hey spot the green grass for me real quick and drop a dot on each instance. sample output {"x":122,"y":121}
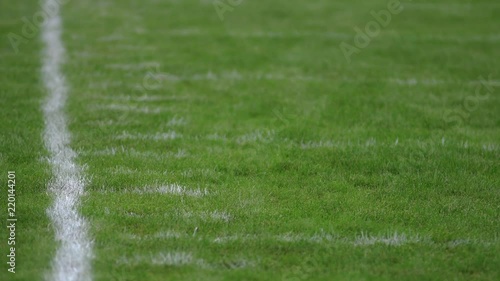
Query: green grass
{"x":22,"y":151}
{"x":314,"y":168}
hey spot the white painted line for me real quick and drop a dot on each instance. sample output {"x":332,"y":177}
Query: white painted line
{"x":205,"y":216}
{"x":173,"y":188}
{"x":262,"y":136}
{"x":180,"y":259}
{"x":129,"y":108}
{"x":131,"y":152}
{"x":130,"y":66}
{"x":170,"y":135}
{"x":72,"y":258}
{"x":163,"y":258}
{"x":394,"y":239}
{"x":177,"y":259}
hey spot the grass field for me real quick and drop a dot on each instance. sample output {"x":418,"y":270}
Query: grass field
{"x":247,"y":146}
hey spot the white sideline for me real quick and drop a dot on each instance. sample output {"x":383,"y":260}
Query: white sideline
{"x":73,"y":255}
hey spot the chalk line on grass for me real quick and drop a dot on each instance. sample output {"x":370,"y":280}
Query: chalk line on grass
{"x":73,"y":255}
{"x":173,"y":188}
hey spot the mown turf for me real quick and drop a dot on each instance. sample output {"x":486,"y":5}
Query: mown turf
{"x":21,"y":149}
{"x":314,"y":168}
